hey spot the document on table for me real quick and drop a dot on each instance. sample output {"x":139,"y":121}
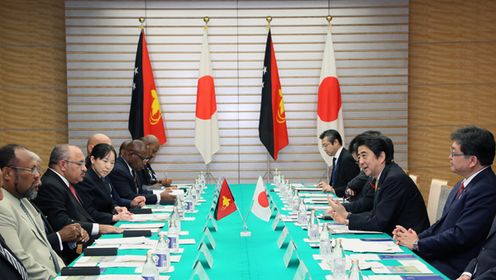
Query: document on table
{"x":360,"y":246}
{"x":339,"y":229}
{"x":149,"y":217}
{"x":142,"y":225}
{"x":406,"y":267}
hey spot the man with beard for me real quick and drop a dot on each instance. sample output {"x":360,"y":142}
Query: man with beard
{"x":58,"y":199}
{"x":20,"y":224}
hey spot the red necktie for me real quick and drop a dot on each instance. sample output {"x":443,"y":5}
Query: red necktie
{"x":73,"y":191}
{"x":460,"y":190}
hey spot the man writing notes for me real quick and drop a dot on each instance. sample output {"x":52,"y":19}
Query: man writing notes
{"x":344,"y":167}
{"x":458,"y":236}
{"x":397,"y":199}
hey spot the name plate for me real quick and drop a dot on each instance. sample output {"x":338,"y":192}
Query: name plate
{"x":207,"y":236}
{"x":203,"y":250}
{"x":199,"y":271}
{"x":302,"y":272}
{"x":282,"y":237}
{"x":210,"y":222}
{"x":276,"y":221}
{"x":289,"y":253}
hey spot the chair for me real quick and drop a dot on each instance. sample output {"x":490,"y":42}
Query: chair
{"x":437,"y":198}
{"x":414,"y":178}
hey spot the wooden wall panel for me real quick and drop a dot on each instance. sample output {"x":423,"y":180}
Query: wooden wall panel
{"x":33,"y":96}
{"x":451,"y":82}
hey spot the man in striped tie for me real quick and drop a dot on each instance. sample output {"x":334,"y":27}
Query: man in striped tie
{"x":21,"y":225}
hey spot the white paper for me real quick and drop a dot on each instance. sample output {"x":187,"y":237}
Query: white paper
{"x":142,"y":226}
{"x":187,"y":241}
{"x":119,"y":241}
{"x":149,"y":217}
{"x":357,"y":245}
{"x":339,"y":229}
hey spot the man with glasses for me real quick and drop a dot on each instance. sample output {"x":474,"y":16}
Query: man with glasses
{"x":344,"y":167}
{"x":20,"y":223}
{"x":57,"y":197}
{"x":458,"y":236}
{"x":125,"y":177}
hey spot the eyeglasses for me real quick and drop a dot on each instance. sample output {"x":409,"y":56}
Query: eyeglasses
{"x":453,"y":154}
{"x":141,"y":157}
{"x":80,"y":163}
{"x":32,"y":170}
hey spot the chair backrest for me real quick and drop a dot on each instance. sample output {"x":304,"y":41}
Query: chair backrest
{"x":437,"y":196}
{"x":414,"y":178}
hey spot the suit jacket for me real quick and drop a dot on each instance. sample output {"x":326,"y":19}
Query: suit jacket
{"x":484,"y":265}
{"x":59,"y":205}
{"x":124,"y":183}
{"x":347,"y":169}
{"x":364,"y":200}
{"x":8,"y":270}
{"x":96,"y":195}
{"x":457,"y":237}
{"x":397,"y":201}
{"x":51,"y":234}
{"x":25,"y":235}
{"x":148,"y":175}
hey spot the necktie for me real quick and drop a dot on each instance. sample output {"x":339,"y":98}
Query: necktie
{"x":460,"y":190}
{"x":135,"y":178}
{"x":14,"y":262}
{"x":73,"y":191}
{"x":334,"y":168}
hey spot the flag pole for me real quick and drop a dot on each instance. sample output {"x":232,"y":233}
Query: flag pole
{"x":244,"y":232}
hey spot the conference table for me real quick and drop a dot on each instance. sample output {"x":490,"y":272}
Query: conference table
{"x":258,"y":256}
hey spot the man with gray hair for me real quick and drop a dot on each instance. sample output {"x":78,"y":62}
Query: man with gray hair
{"x":20,"y":223}
{"x":58,"y":198}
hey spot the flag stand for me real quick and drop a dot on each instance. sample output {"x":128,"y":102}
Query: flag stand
{"x":268,"y":173}
{"x":209,"y":174}
{"x":245,"y":232}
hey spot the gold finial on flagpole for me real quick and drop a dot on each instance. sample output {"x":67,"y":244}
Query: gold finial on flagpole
{"x":268,"y":19}
{"x":142,"y":21}
{"x":206,"y":20}
{"x":329,"y":18}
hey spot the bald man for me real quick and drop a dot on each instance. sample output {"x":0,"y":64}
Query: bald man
{"x":94,"y":140}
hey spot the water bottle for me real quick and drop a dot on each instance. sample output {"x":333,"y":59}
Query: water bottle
{"x":302,"y":214}
{"x":150,"y":271}
{"x":176,"y":218}
{"x":325,"y":244}
{"x":296,"y":201}
{"x":180,"y":205}
{"x":355,"y":273}
{"x":173,"y":235}
{"x":313,"y":227}
{"x":338,"y":261}
{"x":189,"y":206}
{"x":162,"y":252}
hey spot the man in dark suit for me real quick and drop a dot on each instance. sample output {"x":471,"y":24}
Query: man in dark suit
{"x":397,"y":199}
{"x":125,"y":178}
{"x":457,"y":237}
{"x":148,"y":175}
{"x":483,"y":267}
{"x":344,"y":166}
{"x":10,"y":266}
{"x":57,"y":197}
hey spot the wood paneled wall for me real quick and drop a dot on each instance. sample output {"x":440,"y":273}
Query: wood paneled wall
{"x":452,"y":79}
{"x":33,"y":99}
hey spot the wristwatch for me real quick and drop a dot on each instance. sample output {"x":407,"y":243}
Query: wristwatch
{"x":415,"y":246}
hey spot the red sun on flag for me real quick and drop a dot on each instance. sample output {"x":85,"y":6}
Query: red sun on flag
{"x":262,"y":200}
